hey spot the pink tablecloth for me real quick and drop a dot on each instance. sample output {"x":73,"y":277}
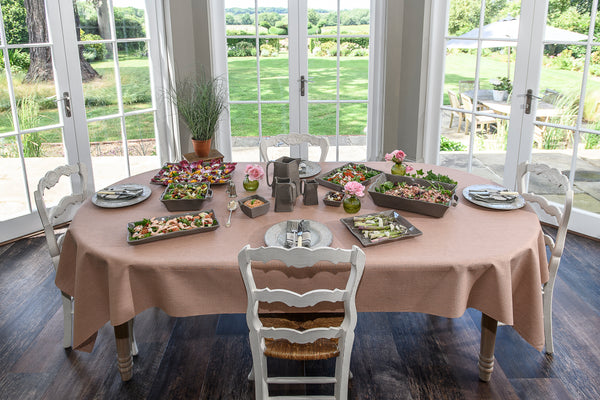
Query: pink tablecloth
{"x":490,"y":260}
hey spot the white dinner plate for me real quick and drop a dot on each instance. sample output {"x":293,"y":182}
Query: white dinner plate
{"x":517,"y":203}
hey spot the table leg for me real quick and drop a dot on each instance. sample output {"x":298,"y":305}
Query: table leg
{"x":124,"y":357}
{"x":486,"y":350}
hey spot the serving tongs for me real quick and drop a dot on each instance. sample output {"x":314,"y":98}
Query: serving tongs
{"x":493,"y":196}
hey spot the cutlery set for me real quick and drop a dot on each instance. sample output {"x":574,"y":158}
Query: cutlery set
{"x":120,"y":193}
{"x":297,"y":233}
{"x":493,"y":196}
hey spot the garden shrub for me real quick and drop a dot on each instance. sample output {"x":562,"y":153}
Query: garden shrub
{"x":93,"y":51}
{"x":592,"y":141}
{"x":19,"y":60}
{"x":451,"y":145}
{"x":277,"y":31}
{"x":266,"y":50}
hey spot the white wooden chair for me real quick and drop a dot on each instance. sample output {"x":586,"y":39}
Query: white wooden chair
{"x":49,"y":217}
{"x":293,"y":339}
{"x":293,"y":139}
{"x":553,"y":177}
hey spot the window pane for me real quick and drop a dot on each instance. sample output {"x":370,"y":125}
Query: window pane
{"x":141,"y":143}
{"x":130,"y":17}
{"x":322,"y":119}
{"x":244,"y":120}
{"x":354,"y":70}
{"x":239,"y":17}
{"x":106,"y":147}
{"x":274,"y":76}
{"x":15,"y":22}
{"x":275,"y":119}
{"x":242,"y":71}
{"x":135,"y":77}
{"x":322,"y":17}
{"x":14,"y":198}
{"x":100,"y":90}
{"x":322,"y":67}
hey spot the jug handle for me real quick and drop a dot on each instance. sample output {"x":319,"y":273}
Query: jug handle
{"x":267,"y":174}
{"x":302,"y":186}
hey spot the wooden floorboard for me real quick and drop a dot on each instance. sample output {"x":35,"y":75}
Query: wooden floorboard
{"x":395,"y":355}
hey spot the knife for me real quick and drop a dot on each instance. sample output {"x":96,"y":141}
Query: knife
{"x":300,"y":232}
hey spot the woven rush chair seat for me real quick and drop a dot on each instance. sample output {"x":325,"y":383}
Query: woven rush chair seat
{"x":321,"y":349}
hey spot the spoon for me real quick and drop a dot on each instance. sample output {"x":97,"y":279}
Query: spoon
{"x":231,"y":206}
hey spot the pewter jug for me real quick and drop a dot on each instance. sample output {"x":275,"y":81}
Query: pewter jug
{"x":309,"y":192}
{"x":284,"y":167}
{"x":285,"y":194}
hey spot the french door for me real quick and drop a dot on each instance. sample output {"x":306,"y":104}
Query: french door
{"x":90,"y":98}
{"x":299,"y":66}
{"x":557,"y":124}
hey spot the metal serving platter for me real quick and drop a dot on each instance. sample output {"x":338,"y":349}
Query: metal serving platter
{"x":412,"y":230}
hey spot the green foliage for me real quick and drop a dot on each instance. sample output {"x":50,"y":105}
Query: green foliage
{"x":268,"y":19}
{"x":313,"y":17}
{"x":592,"y":140}
{"x":502,"y":83}
{"x":15,"y":23}
{"x":242,"y":48}
{"x":18,"y":58}
{"x":277,"y":31}
{"x":29,"y":117}
{"x":266,"y":50}
{"x":450,"y":145}
{"x":93,"y":51}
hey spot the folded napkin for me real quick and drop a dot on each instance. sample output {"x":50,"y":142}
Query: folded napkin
{"x":291,"y":233}
{"x":120,"y":192}
{"x":493,"y":196}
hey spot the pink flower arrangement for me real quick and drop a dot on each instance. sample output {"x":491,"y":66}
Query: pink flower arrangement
{"x":254,"y":172}
{"x":354,"y":188}
{"x":396,"y":156}
{"x":409,"y":168}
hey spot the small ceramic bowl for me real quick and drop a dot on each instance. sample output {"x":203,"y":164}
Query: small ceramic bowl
{"x":333,"y":203}
{"x":256,"y":211}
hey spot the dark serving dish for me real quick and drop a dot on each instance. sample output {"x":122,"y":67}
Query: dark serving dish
{"x":412,"y":231}
{"x":322,"y":179}
{"x":185,"y":204}
{"x":417,"y":206}
{"x":214,"y":172}
{"x":254,"y":212}
{"x":333,"y":203}
{"x":169,"y":235}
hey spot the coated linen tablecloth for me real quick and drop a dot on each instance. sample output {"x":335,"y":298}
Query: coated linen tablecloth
{"x":490,"y":260}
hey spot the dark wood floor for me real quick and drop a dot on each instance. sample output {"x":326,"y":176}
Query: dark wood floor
{"x":395,"y":356}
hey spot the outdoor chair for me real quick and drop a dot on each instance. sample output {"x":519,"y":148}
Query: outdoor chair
{"x":49,"y":216}
{"x":482,"y":122}
{"x":552,"y":181}
{"x":455,"y":103}
{"x":293,"y":139}
{"x":465,"y":86}
{"x":301,"y":335}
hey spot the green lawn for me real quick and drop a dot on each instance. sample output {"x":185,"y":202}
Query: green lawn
{"x":274,"y":84}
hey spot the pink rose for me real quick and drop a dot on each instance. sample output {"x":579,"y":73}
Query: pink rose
{"x":254,"y":172}
{"x":396,"y":156}
{"x":354,"y":188}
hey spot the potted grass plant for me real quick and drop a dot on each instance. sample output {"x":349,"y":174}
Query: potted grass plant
{"x":200,"y":102}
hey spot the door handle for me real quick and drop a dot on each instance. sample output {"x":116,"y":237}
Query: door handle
{"x":528,"y":97}
{"x":67,"y":103}
{"x":303,"y":82}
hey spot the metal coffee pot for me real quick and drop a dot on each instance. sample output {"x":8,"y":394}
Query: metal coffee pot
{"x":284,"y":167}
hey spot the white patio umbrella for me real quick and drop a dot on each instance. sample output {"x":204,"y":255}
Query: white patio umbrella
{"x":508,"y":28}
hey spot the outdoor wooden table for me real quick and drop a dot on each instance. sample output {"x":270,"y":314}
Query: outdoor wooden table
{"x":485,"y":98}
{"x":493,"y":261}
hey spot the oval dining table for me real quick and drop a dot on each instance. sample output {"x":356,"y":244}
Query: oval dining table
{"x":490,"y":260}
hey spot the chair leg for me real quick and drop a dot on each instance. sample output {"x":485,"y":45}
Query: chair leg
{"x":547,"y":303}
{"x":132,"y":341}
{"x":460,"y":120}
{"x":451,"y":119}
{"x":67,"y":305}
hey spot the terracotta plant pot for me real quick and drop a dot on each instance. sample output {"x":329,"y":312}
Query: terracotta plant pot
{"x":201,"y":147}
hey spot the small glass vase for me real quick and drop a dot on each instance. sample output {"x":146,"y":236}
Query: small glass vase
{"x":351,"y":204}
{"x":398,"y":169}
{"x":250,"y":185}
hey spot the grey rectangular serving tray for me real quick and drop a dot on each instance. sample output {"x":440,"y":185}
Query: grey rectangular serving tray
{"x":412,"y":230}
{"x":322,"y":181}
{"x":417,"y":206}
{"x":186,"y":204}
{"x":173,"y":234}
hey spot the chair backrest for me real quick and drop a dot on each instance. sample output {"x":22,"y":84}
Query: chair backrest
{"x":293,"y":139}
{"x":454,"y":102}
{"x":49,"y":217}
{"x":466,"y":85}
{"x":467,"y":102}
{"x":555,"y":180}
{"x":302,"y":257}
